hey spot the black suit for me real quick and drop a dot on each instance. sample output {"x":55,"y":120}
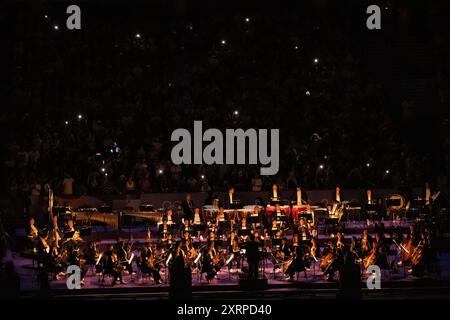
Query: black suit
{"x":252,"y":253}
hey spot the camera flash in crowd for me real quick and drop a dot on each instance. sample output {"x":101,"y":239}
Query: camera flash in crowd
{"x":80,"y":116}
{"x":66,"y":122}
{"x":56,"y":27}
{"x":316,"y":60}
{"x":321,"y":166}
{"x":387,"y":171}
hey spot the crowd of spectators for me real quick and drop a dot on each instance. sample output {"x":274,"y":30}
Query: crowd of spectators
{"x":93,"y":110}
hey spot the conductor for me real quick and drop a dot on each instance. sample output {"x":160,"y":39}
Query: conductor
{"x":252,"y":254}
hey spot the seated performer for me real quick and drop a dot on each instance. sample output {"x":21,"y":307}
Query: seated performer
{"x":298,"y":263}
{"x":169,"y":217}
{"x":76,"y":258}
{"x":122,"y":255}
{"x":148,"y":263}
{"x":211,"y":261}
{"x":274,"y":194}
{"x":32,"y":235}
{"x":111,"y":265}
{"x":164,"y":230}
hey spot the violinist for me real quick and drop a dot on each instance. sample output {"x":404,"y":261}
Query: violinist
{"x":188,"y":246}
{"x":111,"y":265}
{"x":233,"y":248}
{"x":76,"y":258}
{"x":122,"y":255}
{"x":57,"y":261}
{"x":210,"y":261}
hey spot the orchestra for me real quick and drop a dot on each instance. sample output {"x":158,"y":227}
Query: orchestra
{"x":235,"y":238}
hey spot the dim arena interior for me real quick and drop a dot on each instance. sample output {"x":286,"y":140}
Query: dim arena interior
{"x":94,"y":207}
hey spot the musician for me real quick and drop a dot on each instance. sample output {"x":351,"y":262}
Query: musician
{"x":211,"y":262}
{"x":180,"y":275}
{"x":122,"y":255}
{"x":300,"y":197}
{"x":32,"y":234}
{"x":91,"y":255}
{"x":330,"y":262}
{"x":337,"y":195}
{"x":188,"y":207}
{"x":75,"y":258}
{"x":350,"y":278}
{"x":198,"y":219}
{"x":220,"y":216}
{"x":170,"y":217}
{"x":44,"y":248}
{"x":380,"y":248}
{"x":366,"y":243}
{"x":111,"y":265}
{"x":185,"y":227}
{"x":188,"y":246}
{"x":274,"y":194}
{"x":229,"y":199}
{"x":164,"y":230}
{"x":298,"y":262}
{"x":370,"y":204}
{"x":252,"y":253}
{"x":57,"y":261}
{"x":55,"y":234}
{"x":233,"y":248}
{"x":148,"y":263}
{"x":340,"y":245}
